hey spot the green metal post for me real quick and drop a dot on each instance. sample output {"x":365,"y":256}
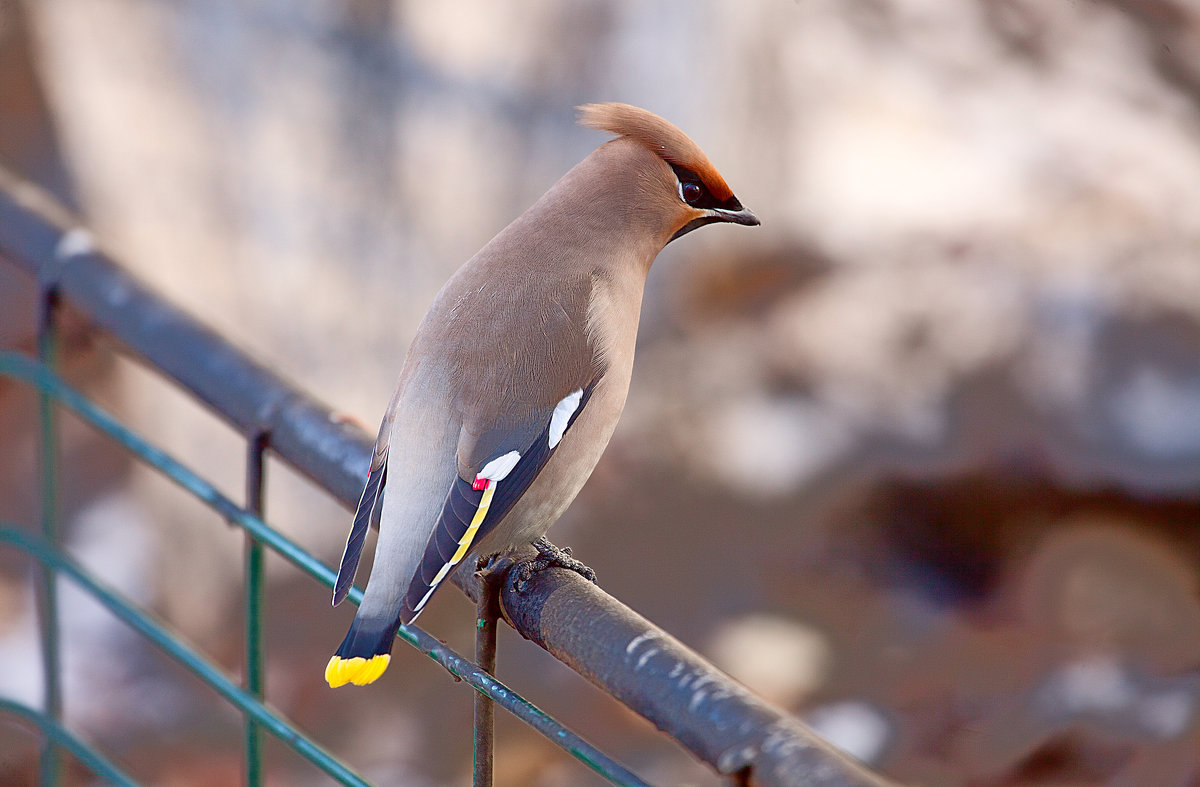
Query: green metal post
{"x":48,"y":586}
{"x":254,"y":681}
{"x":487,"y":613}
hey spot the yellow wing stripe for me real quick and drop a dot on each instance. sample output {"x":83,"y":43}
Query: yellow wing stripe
{"x":485,"y":503}
{"x":359,"y":671}
{"x":464,"y":543}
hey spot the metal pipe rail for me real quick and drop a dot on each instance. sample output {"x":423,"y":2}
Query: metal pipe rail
{"x":719,"y":721}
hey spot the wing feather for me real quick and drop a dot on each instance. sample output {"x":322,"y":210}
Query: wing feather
{"x":370,"y":506}
{"x":463,"y":503}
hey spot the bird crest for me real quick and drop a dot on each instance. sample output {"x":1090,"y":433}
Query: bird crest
{"x":660,"y":136}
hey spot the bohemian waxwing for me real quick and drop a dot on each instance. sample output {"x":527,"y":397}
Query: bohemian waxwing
{"x":518,"y":374}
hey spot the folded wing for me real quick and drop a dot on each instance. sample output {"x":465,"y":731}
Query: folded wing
{"x":480,"y":497}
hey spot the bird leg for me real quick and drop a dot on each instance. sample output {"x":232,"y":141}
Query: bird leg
{"x":548,"y":556}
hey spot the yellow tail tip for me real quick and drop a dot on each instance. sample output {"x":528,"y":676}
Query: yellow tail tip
{"x":359,"y":671}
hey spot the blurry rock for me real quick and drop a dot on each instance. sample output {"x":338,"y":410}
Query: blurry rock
{"x":1104,"y":691}
{"x":1160,"y":415}
{"x":1103,"y":589}
{"x":763,"y":446}
{"x":21,"y":678}
{"x":110,"y":672}
{"x":857,"y":728}
{"x":781,"y":659}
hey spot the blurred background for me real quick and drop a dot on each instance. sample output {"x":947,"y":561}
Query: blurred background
{"x":918,"y":460}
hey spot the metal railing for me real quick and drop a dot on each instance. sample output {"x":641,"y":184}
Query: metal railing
{"x":637,"y":663}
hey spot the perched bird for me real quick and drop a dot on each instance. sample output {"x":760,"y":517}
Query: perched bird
{"x":519,"y":372}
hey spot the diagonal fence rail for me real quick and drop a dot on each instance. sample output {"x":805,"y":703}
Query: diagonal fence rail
{"x":632,"y":660}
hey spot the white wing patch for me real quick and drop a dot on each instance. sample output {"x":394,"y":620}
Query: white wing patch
{"x":562,"y":415}
{"x":499,"y":468}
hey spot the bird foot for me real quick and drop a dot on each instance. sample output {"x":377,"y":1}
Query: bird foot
{"x":548,"y":556}
{"x":488,"y":564}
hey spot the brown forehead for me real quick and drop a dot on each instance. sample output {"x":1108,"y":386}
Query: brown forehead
{"x":660,"y":136}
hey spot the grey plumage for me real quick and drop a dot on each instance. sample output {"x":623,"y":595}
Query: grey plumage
{"x":544,"y":316}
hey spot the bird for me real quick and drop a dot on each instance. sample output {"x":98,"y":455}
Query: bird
{"x":515,"y":380}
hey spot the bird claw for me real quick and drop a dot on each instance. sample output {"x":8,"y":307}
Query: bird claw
{"x":486,"y":564}
{"x":548,"y":556}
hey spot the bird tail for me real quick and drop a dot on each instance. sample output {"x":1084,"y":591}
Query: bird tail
{"x":364,"y":653}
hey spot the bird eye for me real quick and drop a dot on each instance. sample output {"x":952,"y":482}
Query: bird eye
{"x":691,"y":193}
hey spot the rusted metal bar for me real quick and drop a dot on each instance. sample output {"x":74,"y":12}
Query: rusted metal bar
{"x":718,"y":720}
{"x":487,"y":613}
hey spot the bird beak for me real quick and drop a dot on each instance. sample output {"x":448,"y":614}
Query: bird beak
{"x":738,"y":215}
{"x":742,"y":216}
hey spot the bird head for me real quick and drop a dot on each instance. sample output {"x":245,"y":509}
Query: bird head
{"x":678,"y":183}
